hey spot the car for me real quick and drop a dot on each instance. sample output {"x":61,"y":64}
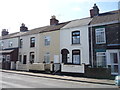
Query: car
{"x":117,"y":81}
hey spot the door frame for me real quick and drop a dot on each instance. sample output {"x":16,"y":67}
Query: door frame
{"x":109,"y":62}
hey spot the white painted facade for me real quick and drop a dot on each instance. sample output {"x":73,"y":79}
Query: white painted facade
{"x":66,"y":43}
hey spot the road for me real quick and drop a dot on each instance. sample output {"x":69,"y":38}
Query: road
{"x":11,"y":80}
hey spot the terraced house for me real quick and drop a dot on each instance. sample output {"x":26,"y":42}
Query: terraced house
{"x":50,"y":45}
{"x":9,"y":48}
{"x":74,"y":46}
{"x":105,"y":41}
{"x":29,"y":50}
{"x":89,"y":46}
{"x":39,"y":48}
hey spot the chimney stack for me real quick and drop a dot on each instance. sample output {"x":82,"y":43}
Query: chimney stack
{"x":53,"y":20}
{"x":94,"y":11}
{"x":4,"y":32}
{"x":23,"y":28}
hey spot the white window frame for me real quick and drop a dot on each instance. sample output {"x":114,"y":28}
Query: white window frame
{"x":99,"y":54}
{"x":98,"y":31}
{"x":10,"y":43}
{"x":47,"y":41}
{"x":75,"y":38}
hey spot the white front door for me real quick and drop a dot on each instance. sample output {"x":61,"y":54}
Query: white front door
{"x":115,"y":59}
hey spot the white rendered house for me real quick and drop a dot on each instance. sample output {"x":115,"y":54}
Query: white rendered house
{"x":74,"y":46}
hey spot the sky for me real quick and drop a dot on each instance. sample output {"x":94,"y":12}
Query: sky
{"x":37,"y":13}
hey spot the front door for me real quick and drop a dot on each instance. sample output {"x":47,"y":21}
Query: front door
{"x":64,"y":53}
{"x":114,"y":58}
{"x":24,"y":59}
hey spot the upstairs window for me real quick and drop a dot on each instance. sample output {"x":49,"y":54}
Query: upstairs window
{"x":76,"y":37}
{"x":100,"y":36}
{"x":10,"y":44}
{"x":1,"y":45}
{"x":47,"y":41}
{"x":21,"y":43}
{"x":32,"y":42}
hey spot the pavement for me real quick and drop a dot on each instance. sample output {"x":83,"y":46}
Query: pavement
{"x":69,"y":78}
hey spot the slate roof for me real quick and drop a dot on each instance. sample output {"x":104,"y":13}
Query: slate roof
{"x":106,"y":17}
{"x":8,"y":36}
{"x":78,"y":23}
{"x":35,"y":31}
{"x":54,"y":27}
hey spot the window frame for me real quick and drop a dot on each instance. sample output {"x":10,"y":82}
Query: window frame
{"x":20,"y":58}
{"x":98,"y":31}
{"x":10,"y":44}
{"x":97,"y":62}
{"x":32,"y":42}
{"x":76,"y":39}
{"x":21,"y":43}
{"x":76,"y":54}
{"x":47,"y":58}
{"x":47,"y":40}
{"x":32,"y":60}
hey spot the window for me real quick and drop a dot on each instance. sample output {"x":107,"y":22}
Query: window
{"x":7,"y":57}
{"x":32,"y":57}
{"x":24,"y":59}
{"x":1,"y":57}
{"x":4,"y":58}
{"x":32,"y":42}
{"x":100,"y":36}
{"x":76,"y":37}
{"x":1,"y":45}
{"x":21,"y":43}
{"x":47,"y":41}
{"x":20,"y":58}
{"x":101,"y":59}
{"x":10,"y":44}
{"x":76,"y":57}
{"x":114,"y":56}
{"x":47,"y":58}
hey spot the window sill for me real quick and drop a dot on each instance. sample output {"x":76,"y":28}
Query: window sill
{"x":32,"y":47}
{"x":101,"y":43}
{"x":75,"y":44}
{"x":70,"y":64}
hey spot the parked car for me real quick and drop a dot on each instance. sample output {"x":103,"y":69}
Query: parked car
{"x":117,"y":81}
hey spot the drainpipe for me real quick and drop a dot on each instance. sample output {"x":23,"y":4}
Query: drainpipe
{"x":119,"y":40}
{"x":91,"y":45}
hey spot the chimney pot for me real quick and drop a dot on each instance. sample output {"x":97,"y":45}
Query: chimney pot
{"x":4,"y":32}
{"x":23,"y":28}
{"x":94,"y":11}
{"x":53,"y":20}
